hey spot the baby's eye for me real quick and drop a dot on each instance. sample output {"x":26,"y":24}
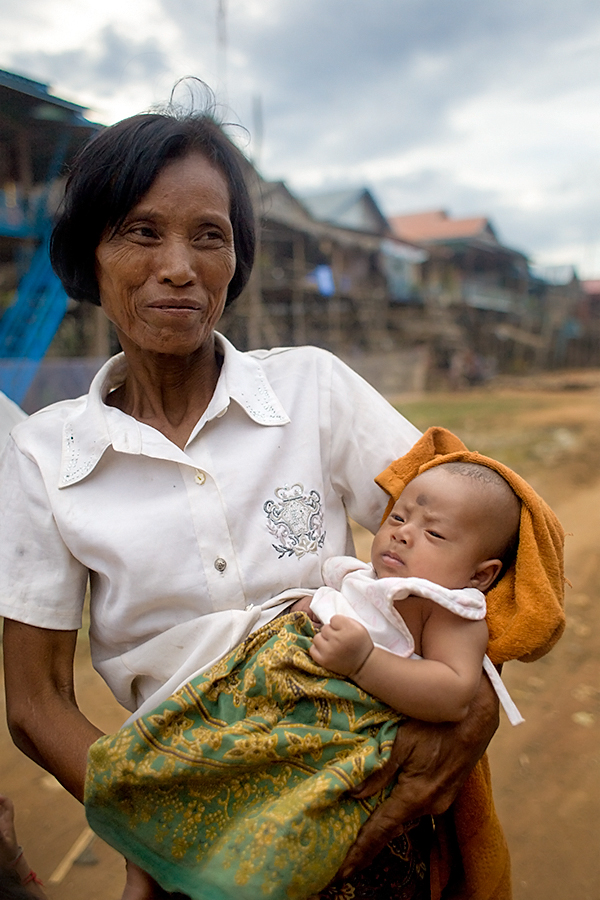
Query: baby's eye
{"x":396,"y":518}
{"x":436,"y":534}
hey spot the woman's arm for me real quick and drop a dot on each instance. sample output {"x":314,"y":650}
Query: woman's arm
{"x":438,"y":688}
{"x":42,"y":712}
{"x":429,"y":762}
{"x":45,"y":721}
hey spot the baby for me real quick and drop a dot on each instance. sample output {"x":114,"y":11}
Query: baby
{"x":455,"y":525}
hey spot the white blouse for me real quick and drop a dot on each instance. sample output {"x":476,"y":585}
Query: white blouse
{"x":172,"y":539}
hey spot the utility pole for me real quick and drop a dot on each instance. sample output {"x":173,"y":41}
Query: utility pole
{"x":257,"y":129}
{"x":222,"y":48}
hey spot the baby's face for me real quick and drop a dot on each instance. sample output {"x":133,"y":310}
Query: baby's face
{"x":433,"y":531}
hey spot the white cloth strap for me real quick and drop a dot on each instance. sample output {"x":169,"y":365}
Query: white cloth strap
{"x":508,"y":704}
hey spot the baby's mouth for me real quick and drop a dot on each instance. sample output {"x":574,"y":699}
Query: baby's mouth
{"x":392,"y":557}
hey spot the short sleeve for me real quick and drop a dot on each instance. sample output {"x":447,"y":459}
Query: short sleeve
{"x":41,"y":583}
{"x":10,"y":415}
{"x":367,"y":434}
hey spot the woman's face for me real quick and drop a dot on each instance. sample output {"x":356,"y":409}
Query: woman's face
{"x":163,"y":275}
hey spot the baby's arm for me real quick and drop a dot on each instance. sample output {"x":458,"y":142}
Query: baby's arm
{"x":437,"y":688}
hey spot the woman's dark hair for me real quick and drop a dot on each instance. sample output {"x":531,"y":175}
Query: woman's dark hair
{"x":112,"y":173}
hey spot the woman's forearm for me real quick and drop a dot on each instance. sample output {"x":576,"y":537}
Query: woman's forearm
{"x":429,"y":763}
{"x":43,"y":717}
{"x":57,"y":740}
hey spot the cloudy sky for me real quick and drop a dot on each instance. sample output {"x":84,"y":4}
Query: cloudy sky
{"x":474,"y":106}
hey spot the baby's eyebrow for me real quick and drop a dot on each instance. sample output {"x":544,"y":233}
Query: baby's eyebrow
{"x":430,"y":516}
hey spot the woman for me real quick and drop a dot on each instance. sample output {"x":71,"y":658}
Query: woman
{"x":192,"y":479}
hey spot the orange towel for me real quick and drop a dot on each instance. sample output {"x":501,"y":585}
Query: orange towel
{"x":525,"y":618}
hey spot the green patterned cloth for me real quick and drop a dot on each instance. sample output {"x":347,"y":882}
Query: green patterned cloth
{"x":236,"y":786}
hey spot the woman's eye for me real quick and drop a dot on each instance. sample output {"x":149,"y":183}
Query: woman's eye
{"x":143,"y":231}
{"x":210,"y":237}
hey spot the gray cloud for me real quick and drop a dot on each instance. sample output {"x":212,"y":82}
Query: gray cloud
{"x":346,"y":83}
{"x":341,"y":82}
{"x":109,"y":63}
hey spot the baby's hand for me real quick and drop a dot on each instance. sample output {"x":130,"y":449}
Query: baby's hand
{"x":343,"y":646}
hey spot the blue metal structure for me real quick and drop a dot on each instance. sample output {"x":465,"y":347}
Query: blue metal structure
{"x":46,"y":131}
{"x":28,"y":326}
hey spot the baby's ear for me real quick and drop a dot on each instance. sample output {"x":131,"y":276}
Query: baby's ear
{"x":485,"y":574}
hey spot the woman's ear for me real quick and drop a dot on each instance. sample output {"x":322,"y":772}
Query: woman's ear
{"x":485,"y":574}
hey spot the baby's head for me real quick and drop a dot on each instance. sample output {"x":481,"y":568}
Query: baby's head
{"x":456,"y":524}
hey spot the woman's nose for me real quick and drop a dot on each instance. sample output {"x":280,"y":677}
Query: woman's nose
{"x":175,"y":264}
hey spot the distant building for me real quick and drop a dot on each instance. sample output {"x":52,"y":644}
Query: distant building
{"x":354,"y":208}
{"x":485,"y":311}
{"x":400,"y":298}
{"x":580,"y":336}
{"x":399,"y":261}
{"x":591,"y":304}
{"x":467,"y":263}
{"x":328,"y":268}
{"x":39,"y":135}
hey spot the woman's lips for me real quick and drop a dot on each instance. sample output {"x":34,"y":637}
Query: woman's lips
{"x":174,"y":309}
{"x":175,"y":304}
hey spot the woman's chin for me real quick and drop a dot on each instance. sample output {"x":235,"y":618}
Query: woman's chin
{"x":174,"y":343}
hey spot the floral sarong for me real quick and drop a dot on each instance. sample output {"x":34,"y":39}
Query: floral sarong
{"x":237,"y":785}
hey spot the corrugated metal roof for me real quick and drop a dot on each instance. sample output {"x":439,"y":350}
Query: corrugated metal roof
{"x":351,"y":208}
{"x":279,"y":204}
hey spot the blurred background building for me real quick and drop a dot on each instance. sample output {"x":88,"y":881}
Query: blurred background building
{"x":411,"y":301}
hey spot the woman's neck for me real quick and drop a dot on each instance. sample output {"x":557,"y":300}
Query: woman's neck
{"x":169,"y":393}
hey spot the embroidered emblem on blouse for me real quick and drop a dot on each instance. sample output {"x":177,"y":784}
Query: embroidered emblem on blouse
{"x":295,"y":519}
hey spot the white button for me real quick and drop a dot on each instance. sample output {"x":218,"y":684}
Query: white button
{"x":200,"y":477}
{"x":220,"y":564}
{"x":249,"y":607}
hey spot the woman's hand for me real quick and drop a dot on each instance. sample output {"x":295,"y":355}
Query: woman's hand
{"x":343,"y":646}
{"x":302,"y":605}
{"x":430,"y":763}
{"x":140,"y":886}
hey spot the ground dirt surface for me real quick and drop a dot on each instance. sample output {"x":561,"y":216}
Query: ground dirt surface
{"x":547,"y":771}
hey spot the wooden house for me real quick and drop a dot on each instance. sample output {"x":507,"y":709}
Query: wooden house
{"x":483,"y":312}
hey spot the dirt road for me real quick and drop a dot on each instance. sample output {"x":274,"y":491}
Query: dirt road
{"x":546,"y":772}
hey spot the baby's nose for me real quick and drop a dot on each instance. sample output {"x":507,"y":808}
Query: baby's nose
{"x":402,"y":532}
